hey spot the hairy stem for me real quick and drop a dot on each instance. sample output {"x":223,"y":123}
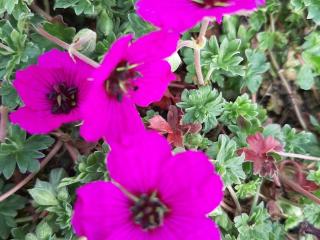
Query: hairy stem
{"x":3,"y":123}
{"x":296,"y":187}
{"x":197,"y":51}
{"x":235,"y":199}
{"x":301,"y":156}
{"x":66,"y":46}
{"x":34,"y":7}
{"x":43,"y":163}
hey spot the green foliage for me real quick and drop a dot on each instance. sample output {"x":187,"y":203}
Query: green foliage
{"x":258,"y":226}
{"x":314,"y":175}
{"x":196,"y":141}
{"x":305,"y":78}
{"x":312,"y":214}
{"x":23,"y":151}
{"x":248,"y":189}
{"x":295,"y":141}
{"x":202,"y":106}
{"x":243,"y":117}
{"x":227,"y":161}
{"x":256,"y":66}
{"x":311,"y":52}
{"x":218,"y":61}
{"x":270,"y":40}
{"x":49,"y":196}
{"x":17,"y":8}
{"x":18,"y":51}
{"x":88,"y":169}
{"x":8,"y":210}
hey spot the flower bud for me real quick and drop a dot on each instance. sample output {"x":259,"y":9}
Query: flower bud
{"x":85,"y":41}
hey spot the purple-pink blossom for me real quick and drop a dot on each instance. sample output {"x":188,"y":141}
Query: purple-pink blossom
{"x":51,"y":91}
{"x":181,"y":15}
{"x":153,"y":195}
{"x":132,"y":73}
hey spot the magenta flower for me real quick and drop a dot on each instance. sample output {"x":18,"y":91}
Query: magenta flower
{"x":258,"y":153}
{"x":180,"y":15}
{"x":51,"y":91}
{"x":153,"y":195}
{"x":131,"y":73}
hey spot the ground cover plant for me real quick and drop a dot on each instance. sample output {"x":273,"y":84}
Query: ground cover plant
{"x":145,"y":119}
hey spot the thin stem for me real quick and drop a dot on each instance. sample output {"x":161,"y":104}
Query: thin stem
{"x":197,"y":64}
{"x":34,"y":7}
{"x":226,"y":207}
{"x":296,"y":187}
{"x":186,"y":43}
{"x":197,"y":51}
{"x":46,"y":6}
{"x":3,"y":123}
{"x":43,"y":163}
{"x":288,"y":89}
{"x":73,"y":152}
{"x":66,"y":46}
{"x":24,"y":219}
{"x":235,"y":200}
{"x":203,"y":29}
{"x":256,"y":197}
{"x":301,"y":156}
{"x":5,"y":47}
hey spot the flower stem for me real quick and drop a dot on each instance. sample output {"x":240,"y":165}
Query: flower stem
{"x":288,"y":89}
{"x":43,"y":163}
{"x":197,"y":51}
{"x":186,"y":43}
{"x":301,"y":156}
{"x":296,"y":187}
{"x":66,"y":46}
{"x":235,"y":199}
{"x":3,"y":123}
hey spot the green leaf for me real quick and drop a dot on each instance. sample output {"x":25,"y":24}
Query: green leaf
{"x":227,"y":161}
{"x":305,"y":78}
{"x":257,"y":65}
{"x":8,"y":210}
{"x":202,"y":106}
{"x":44,"y":194}
{"x":23,"y":151}
{"x":79,"y":6}
{"x":312,"y":214}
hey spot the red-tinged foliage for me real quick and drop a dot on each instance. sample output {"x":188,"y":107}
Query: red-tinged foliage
{"x":258,"y":153}
{"x":173,"y":126}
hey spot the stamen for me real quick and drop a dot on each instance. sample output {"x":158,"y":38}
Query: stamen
{"x":63,"y":98}
{"x":149,"y":211}
{"x":121,"y":80}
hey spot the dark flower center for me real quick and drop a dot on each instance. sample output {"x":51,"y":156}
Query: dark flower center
{"x":149,"y":211}
{"x":63,"y":98}
{"x":121,"y":80}
{"x":212,"y":3}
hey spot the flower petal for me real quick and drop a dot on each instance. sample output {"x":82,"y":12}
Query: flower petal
{"x":143,"y":156}
{"x":105,"y":117}
{"x":100,"y":209}
{"x":178,"y":15}
{"x":190,"y":186}
{"x":113,"y":57}
{"x":39,"y":122}
{"x":155,"y":79}
{"x":159,"y":45}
